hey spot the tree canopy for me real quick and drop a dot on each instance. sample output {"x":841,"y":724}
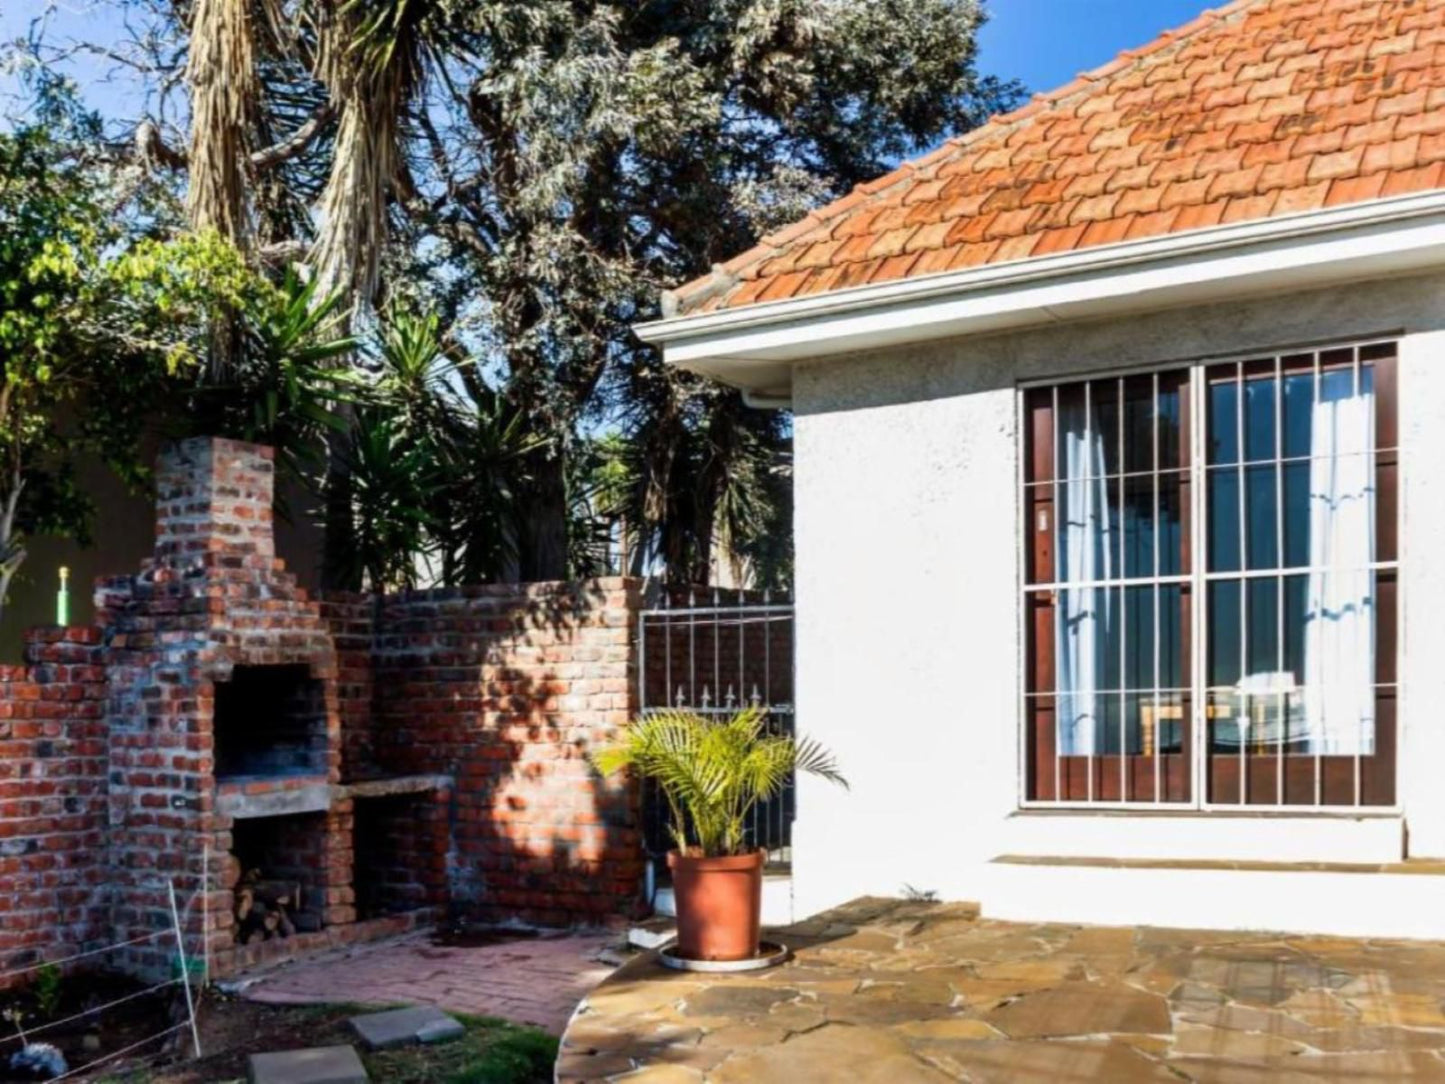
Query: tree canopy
{"x":529,"y":177}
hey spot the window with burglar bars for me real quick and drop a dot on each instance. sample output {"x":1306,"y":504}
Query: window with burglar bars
{"x":1210,"y":597}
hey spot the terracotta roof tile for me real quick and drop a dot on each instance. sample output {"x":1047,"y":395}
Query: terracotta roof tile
{"x":1264,"y":107}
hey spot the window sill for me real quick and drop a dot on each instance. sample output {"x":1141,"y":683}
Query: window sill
{"x":1192,"y":835}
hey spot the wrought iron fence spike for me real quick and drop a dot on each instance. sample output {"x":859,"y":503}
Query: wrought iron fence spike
{"x":731,"y":699}
{"x":681,"y":699}
{"x":706,"y":698}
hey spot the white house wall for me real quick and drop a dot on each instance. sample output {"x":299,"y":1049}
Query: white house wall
{"x":909,"y":656}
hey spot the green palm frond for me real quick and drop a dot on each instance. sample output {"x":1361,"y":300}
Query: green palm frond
{"x":713,"y":772}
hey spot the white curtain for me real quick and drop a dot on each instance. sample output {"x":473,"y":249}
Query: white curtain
{"x":1339,"y":641}
{"x":1082,"y":615}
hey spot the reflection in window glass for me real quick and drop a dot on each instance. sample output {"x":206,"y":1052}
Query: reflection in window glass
{"x":1283,"y":600}
{"x":1223,"y":422}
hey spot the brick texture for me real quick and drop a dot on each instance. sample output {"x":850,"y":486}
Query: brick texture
{"x":506,"y":689}
{"x":468,"y":714}
{"x":54,"y":899}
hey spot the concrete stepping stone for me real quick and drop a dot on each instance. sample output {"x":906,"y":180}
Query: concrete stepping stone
{"x":318,"y":1065}
{"x":401,"y":1027}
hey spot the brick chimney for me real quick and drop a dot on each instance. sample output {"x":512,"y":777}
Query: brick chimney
{"x":214,"y":500}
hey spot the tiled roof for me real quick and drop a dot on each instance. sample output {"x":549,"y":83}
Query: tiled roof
{"x":1259,"y":108}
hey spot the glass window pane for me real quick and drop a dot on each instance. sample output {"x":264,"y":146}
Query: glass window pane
{"x":1262,"y":513}
{"x":1332,"y":620}
{"x":1171,"y":526}
{"x":1224,"y":632}
{"x":1294,"y":602}
{"x":1171,"y":627}
{"x":1110,"y":633}
{"x":1225,"y":729}
{"x":1223,"y":442}
{"x":1138,"y":708}
{"x":1262,"y":635}
{"x":1139,"y":637}
{"x":1299,"y":392}
{"x":1296,"y":515}
{"x":1259,"y":407}
{"x":1337,"y":384}
{"x":1088,"y":530}
{"x":1170,"y":431}
{"x":1088,"y":629}
{"x":1139,"y":526}
{"x":1139,"y":423}
{"x":1163,"y":719}
{"x":1224,"y":520}
{"x":1106,"y":422}
{"x":1110,"y":710}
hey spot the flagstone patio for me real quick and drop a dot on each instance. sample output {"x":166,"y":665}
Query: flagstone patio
{"x":888,"y":991}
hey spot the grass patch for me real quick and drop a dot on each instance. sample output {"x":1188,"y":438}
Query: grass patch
{"x":491,"y":1052}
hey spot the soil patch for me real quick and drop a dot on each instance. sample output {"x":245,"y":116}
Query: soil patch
{"x":64,"y":1019}
{"x":491,"y":1052}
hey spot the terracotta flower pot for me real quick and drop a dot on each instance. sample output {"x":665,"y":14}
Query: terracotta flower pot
{"x":719,"y":905}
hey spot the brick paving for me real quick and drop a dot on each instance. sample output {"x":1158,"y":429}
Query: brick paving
{"x":536,"y":981}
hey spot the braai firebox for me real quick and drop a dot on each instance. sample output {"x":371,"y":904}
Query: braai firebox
{"x":270,"y":721}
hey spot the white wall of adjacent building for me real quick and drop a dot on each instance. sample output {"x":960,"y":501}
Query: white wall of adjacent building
{"x":910,"y":653}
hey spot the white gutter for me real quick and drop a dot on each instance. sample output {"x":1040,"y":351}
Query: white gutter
{"x":753,"y":346}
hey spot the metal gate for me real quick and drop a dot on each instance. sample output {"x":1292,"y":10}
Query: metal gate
{"x":715,"y":652}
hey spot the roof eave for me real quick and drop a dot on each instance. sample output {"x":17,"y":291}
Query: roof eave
{"x":754,"y":346}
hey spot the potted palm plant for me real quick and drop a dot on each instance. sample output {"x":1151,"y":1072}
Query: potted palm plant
{"x":712,"y":772}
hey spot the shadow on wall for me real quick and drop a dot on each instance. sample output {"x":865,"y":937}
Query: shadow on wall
{"x":507,"y":689}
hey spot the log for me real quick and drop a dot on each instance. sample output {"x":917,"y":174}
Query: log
{"x":284,"y":926}
{"x":277,"y":893}
{"x":260,"y":919}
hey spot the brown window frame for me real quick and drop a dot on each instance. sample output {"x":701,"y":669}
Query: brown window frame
{"x":1168,"y":753}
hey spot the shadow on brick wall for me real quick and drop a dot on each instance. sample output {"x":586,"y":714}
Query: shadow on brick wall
{"x":506,"y":689}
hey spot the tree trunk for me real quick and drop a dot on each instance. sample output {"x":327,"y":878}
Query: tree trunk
{"x":12,"y":553}
{"x":542,"y":532}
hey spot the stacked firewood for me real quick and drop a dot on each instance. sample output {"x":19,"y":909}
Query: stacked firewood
{"x":265,"y":908}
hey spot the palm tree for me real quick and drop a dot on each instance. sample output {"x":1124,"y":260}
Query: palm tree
{"x":225,"y":88}
{"x":372,"y":60}
{"x":713,"y":772}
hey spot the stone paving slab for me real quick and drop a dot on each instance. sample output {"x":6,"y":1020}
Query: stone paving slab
{"x":402,"y":1027}
{"x":317,"y":1065}
{"x":537,"y":981}
{"x":892,"y":990}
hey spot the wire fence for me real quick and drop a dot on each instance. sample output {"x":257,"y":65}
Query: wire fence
{"x":172,"y":936}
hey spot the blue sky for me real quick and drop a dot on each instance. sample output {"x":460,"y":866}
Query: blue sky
{"x":1042,"y":42}
{"x":1047,"y":42}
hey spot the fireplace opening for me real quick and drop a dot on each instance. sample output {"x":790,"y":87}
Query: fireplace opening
{"x":278,"y":863}
{"x":270,"y":721}
{"x":397,"y":850}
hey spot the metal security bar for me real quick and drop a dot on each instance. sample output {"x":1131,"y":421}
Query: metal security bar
{"x":714,"y":652}
{"x":1171,"y":515}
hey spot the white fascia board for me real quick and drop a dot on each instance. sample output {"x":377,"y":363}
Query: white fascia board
{"x":753,"y":346}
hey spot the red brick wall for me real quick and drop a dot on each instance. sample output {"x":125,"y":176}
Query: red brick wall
{"x":350,"y":618}
{"x":53,"y":893}
{"x":214,"y":598}
{"x":107,"y":768}
{"x":506,"y":688}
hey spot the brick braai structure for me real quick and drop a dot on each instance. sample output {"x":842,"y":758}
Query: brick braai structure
{"x":393,"y":756}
